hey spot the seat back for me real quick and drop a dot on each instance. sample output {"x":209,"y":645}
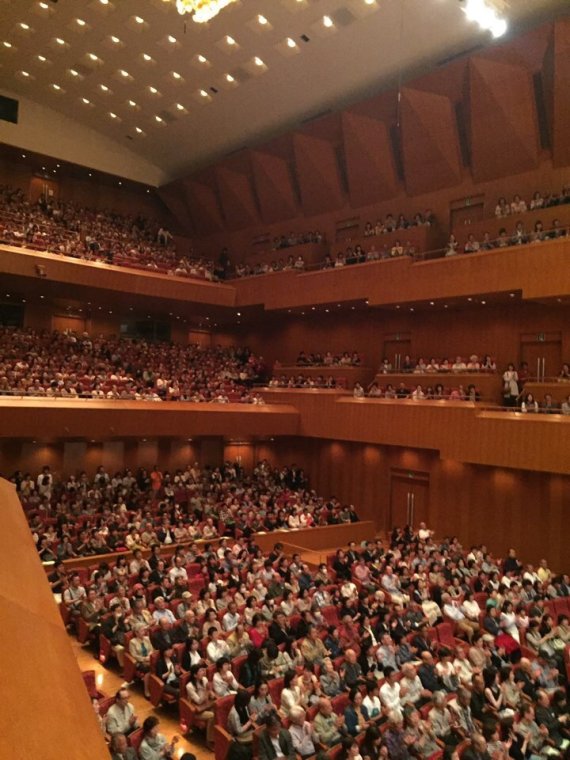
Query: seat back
{"x":222,"y":709}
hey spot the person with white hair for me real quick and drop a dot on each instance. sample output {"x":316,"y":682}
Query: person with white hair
{"x":302,"y":733}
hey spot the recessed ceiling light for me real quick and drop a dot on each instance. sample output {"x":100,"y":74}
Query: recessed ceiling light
{"x":73,"y":73}
{"x":171,"y":39}
{"x":93,"y":56}
{"x":23,"y":155}
{"x":24,"y":73}
{"x":80,"y":22}
{"x":132,"y":103}
{"x":203,"y":93}
{"x":327,"y":21}
{"x":258,"y":62}
{"x":112,"y":115}
{"x":176,"y":75}
{"x":60,"y":41}
{"x":124,"y":73}
{"x":24,"y":26}
{"x":230,"y":40}
{"x":159,"y":119}
{"x":7,"y":44}
{"x":291,"y":42}
{"x":115,"y":39}
{"x":104,"y":2}
{"x":87,"y":103}
{"x":139,"y":19}
{"x":202,"y":58}
{"x":153,"y":89}
{"x":230,"y":78}
{"x":41,"y":58}
{"x":104,"y":87}
{"x":180,"y":107}
{"x":262,"y":20}
{"x":44,"y":6}
{"x":147,"y":57}
{"x":56,"y":87}
{"x":138,"y":130}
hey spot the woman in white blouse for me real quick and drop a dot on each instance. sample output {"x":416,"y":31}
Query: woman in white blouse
{"x":291,"y":694}
{"x":224,"y":681}
{"x":508,"y":621}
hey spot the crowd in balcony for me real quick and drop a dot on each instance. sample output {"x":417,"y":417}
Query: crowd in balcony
{"x":520,"y":206}
{"x":297,"y":238}
{"x":418,"y":392}
{"x":291,"y":264}
{"x":519,"y":236}
{"x":393,"y":222}
{"x":78,"y":365}
{"x":410,"y":647}
{"x":474,"y":363}
{"x":329,"y":359}
{"x":78,"y":515}
{"x":68,"y":229}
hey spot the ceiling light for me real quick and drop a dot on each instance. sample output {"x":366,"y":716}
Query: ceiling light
{"x":24,"y":26}
{"x":230,"y":40}
{"x":291,"y":42}
{"x":262,"y":20}
{"x":139,"y":19}
{"x":112,"y":115}
{"x":230,"y":78}
{"x":80,"y":22}
{"x":124,"y":73}
{"x":202,"y":10}
{"x":60,"y":41}
{"x":7,"y":44}
{"x":176,"y":75}
{"x":114,"y":39}
{"x":153,"y":89}
{"x":203,"y":93}
{"x":56,"y":87}
{"x":180,"y":107}
{"x":147,"y":57}
{"x":86,"y":101}
{"x":93,"y":56}
{"x":104,"y":87}
{"x":44,"y":6}
{"x":202,"y":58}
{"x":73,"y":73}
{"x":171,"y":39}
{"x":327,"y":21}
{"x":258,"y":61}
{"x":41,"y":58}
{"x":132,"y":103}
{"x":104,"y":2}
{"x":159,"y":119}
{"x":138,"y":130}
{"x":498,"y":28}
{"x":24,"y":73}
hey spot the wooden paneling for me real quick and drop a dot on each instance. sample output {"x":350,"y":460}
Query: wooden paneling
{"x":274,"y":187}
{"x":36,"y":650}
{"x":318,"y":174}
{"x":237,"y":198}
{"x":100,"y":420}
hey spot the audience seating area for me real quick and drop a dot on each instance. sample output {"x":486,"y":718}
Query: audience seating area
{"x":94,"y":235}
{"x":388,"y":644}
{"x":73,"y":365}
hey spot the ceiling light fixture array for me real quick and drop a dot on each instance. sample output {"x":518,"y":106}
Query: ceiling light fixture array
{"x":202,"y":10}
{"x":482,"y":12}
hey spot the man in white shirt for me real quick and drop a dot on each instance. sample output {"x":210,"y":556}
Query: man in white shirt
{"x":452,"y":611}
{"x":162,"y":612}
{"x":411,"y":690}
{"x":390,"y":692}
{"x":178,"y":572}
{"x":121,"y":717}
{"x":231,"y":618}
{"x":301,"y":732}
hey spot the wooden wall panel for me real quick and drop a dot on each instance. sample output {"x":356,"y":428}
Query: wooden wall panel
{"x":36,"y":650}
{"x":318,"y":174}
{"x":504,"y":126}
{"x":204,"y":208}
{"x":561,"y":101}
{"x":369,"y":161}
{"x":430,"y":143}
{"x":274,"y":187}
{"x":237,"y":198}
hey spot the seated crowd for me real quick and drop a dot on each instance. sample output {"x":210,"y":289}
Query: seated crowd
{"x":474,"y":363}
{"x":77,"y":365}
{"x":436,"y":392}
{"x":519,"y":236}
{"x":297,"y":238}
{"x":81,"y":516}
{"x":94,"y":235}
{"x":417,"y":648}
{"x":292,"y":263}
{"x":346,"y":359}
{"x":519,"y":206}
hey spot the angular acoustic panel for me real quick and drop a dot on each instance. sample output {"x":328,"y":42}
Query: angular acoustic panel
{"x":503,"y":124}
{"x":204,"y":208}
{"x":274,"y":187}
{"x":173,"y":196}
{"x":369,"y":161}
{"x":318,"y":174}
{"x":560,"y":112}
{"x":237,"y":199}
{"x":430,"y":143}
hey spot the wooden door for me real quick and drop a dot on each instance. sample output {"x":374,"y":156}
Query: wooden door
{"x":63,"y":322}
{"x":409,"y":499}
{"x":466,"y":216}
{"x":396,"y":348}
{"x":541,"y":354}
